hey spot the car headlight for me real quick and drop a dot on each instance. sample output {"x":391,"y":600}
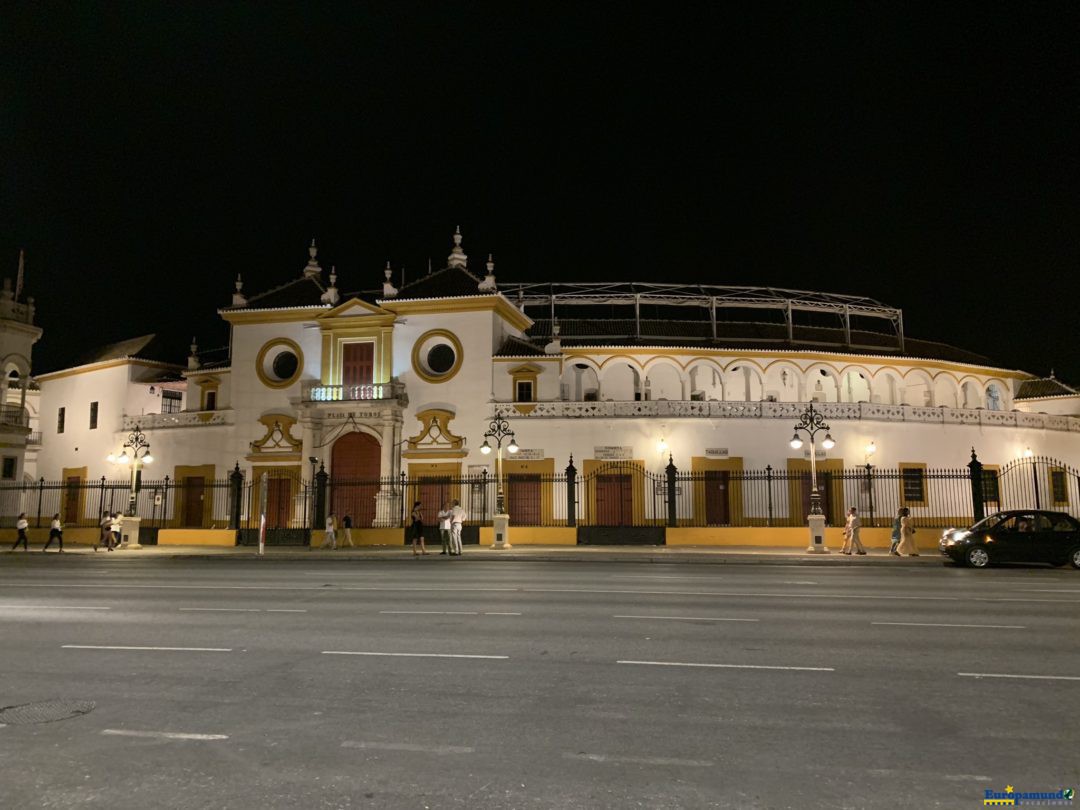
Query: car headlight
{"x":954,"y":536}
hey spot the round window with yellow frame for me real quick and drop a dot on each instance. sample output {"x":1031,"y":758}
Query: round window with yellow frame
{"x":280,"y":363}
{"x":437,"y":356}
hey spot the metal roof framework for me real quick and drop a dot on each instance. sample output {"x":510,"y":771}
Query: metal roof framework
{"x":706,"y":296}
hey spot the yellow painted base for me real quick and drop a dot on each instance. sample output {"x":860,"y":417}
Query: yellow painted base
{"x":533,"y":536}
{"x":788,"y":537}
{"x":367,"y":537}
{"x":196,"y":537}
{"x":84,"y":536}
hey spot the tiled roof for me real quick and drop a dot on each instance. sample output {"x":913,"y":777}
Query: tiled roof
{"x":1044,"y":387}
{"x":305,"y":291}
{"x":145,"y":347}
{"x":450,"y":282}
{"x":516,"y":347}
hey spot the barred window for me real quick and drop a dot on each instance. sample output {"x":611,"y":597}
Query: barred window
{"x":913,"y":481}
{"x":1059,"y":486}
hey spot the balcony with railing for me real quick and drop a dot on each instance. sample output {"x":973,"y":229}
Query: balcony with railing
{"x":314,"y":391}
{"x":34,"y":439}
{"x":14,"y":416}
{"x":870,"y":411}
{"x":184,"y":419}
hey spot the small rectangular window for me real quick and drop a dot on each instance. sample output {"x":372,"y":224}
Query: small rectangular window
{"x":913,"y":485}
{"x":170,"y":401}
{"x":93,"y":415}
{"x":524,"y":391}
{"x":60,"y":420}
{"x":991,"y":487}
{"x":10,"y":463}
{"x":211,"y":401}
{"x":1059,"y":488}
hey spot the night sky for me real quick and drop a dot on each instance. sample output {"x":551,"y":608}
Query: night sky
{"x":922,"y":156}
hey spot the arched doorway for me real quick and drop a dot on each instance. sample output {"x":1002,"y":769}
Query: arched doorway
{"x":355,"y":465}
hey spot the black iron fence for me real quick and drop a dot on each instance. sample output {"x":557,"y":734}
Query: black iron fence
{"x":611,"y":494}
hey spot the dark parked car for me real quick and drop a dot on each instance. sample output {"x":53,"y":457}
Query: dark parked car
{"x":1029,"y":535}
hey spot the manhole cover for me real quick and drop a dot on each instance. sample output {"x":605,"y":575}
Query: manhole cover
{"x":44,"y":711}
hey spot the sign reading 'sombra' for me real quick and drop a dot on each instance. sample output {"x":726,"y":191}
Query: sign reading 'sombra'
{"x":609,"y":452}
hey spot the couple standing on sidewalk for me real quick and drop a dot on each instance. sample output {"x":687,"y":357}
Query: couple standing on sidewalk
{"x":451,"y":516}
{"x":330,"y":539}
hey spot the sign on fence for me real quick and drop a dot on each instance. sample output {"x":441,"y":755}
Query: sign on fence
{"x":529,"y":454}
{"x":716,"y":452}
{"x":609,"y":452}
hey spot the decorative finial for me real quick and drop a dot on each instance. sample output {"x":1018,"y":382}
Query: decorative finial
{"x":457,"y":257}
{"x":555,"y":347}
{"x":331,"y":295}
{"x":193,"y":358}
{"x":1051,"y":374}
{"x":388,"y":289}
{"x":488,"y":284}
{"x":312,"y":268}
{"x":238,"y":297}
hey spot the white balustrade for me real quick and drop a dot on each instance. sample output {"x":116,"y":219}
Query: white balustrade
{"x":159,"y":421}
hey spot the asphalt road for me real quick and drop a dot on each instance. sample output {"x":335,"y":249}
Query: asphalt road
{"x":456,"y":683}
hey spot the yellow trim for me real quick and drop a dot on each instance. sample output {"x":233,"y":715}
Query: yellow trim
{"x":532,"y":536}
{"x":334,"y":339}
{"x":526,"y":373}
{"x":459,"y":356}
{"x":834,"y":494}
{"x":294,"y":347}
{"x":208,"y":385}
{"x":273,"y":458}
{"x":437,"y":419}
{"x":434,"y":453}
{"x":541,"y":467}
{"x":637,"y":492}
{"x":702,"y":465}
{"x":473,"y":303}
{"x":525,"y":408}
{"x":433,"y":469}
{"x":123,"y":361}
{"x":250,"y":316}
{"x":341,"y":310}
{"x":550,"y":358}
{"x":182,"y":472}
{"x":197,"y":537}
{"x":913,"y":465}
{"x":272,"y":422}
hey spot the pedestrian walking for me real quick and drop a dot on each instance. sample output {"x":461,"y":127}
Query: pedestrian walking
{"x":457,"y":517}
{"x":907,"y":535}
{"x":896,"y":531}
{"x":346,"y":528}
{"x":105,"y":533}
{"x":56,"y":532}
{"x":444,"y":527}
{"x":851,"y":533}
{"x":114,"y":531}
{"x":331,"y":533}
{"x":21,"y":524}
{"x":418,"y":529}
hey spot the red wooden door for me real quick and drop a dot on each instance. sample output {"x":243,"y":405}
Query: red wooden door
{"x":523,"y":499}
{"x":355,"y":464}
{"x":194,"y":489}
{"x":614,"y":500}
{"x":71,"y":501}
{"x":278,"y":497}
{"x":717,"y":503}
{"x":357,"y":368}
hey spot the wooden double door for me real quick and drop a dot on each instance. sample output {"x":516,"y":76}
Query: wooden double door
{"x":355,"y":465}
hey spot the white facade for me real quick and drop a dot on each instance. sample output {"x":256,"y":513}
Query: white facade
{"x":438,"y":367}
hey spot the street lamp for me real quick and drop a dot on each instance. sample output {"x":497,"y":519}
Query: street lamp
{"x":499,"y":430}
{"x":139,"y":454}
{"x":136,"y":452}
{"x":811,"y":423}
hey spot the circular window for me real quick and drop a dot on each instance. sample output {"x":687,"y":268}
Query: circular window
{"x":437,"y":356}
{"x":441,"y":357}
{"x":279,"y":363}
{"x":285,"y":365}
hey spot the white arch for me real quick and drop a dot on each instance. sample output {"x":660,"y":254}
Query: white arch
{"x":887,"y":387}
{"x":947,"y":390}
{"x":918,"y":388}
{"x":785,"y":381}
{"x":822,"y":383}
{"x":581,"y":379}
{"x":1004,"y":395}
{"x":972,"y":393}
{"x":705,"y":378}
{"x":856,"y":384}
{"x":743,"y":382}
{"x":621,"y":382}
{"x":665,"y":379}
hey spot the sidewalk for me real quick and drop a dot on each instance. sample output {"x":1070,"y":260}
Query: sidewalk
{"x":726,"y":555}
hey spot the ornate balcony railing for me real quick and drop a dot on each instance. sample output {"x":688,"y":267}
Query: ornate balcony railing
{"x":160,"y":421}
{"x":13,"y":415}
{"x":318,"y":392}
{"x":790,"y":410}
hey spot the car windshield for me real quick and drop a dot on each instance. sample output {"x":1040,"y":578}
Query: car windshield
{"x":986,"y":523}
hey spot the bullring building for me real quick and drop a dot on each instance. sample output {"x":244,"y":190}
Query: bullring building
{"x":400,"y":383}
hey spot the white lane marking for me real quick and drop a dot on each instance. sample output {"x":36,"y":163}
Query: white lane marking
{"x":797,"y":582}
{"x":502,"y":614}
{"x":424,"y":749}
{"x":686,"y":618}
{"x":928,"y":624}
{"x":617,"y":760}
{"x":1045,"y":590}
{"x":220,"y":610}
{"x":1019,"y":677}
{"x":166,"y":649}
{"x":966,"y":777}
{"x":285,"y":610}
{"x":413,"y":655}
{"x":657,"y":576}
{"x":162,"y":735}
{"x":114,"y":586}
{"x":725,"y":666}
{"x":52,"y":607}
{"x":430,"y":612}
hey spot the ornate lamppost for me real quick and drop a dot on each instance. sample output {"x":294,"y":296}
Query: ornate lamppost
{"x":811,"y":423}
{"x":136,"y":452}
{"x":499,"y":430}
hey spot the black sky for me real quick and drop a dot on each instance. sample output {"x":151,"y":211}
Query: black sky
{"x":923,"y":156}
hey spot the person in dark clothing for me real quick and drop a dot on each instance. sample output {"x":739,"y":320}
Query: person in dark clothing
{"x":346,"y":527}
{"x":21,"y":524}
{"x":56,"y":532}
